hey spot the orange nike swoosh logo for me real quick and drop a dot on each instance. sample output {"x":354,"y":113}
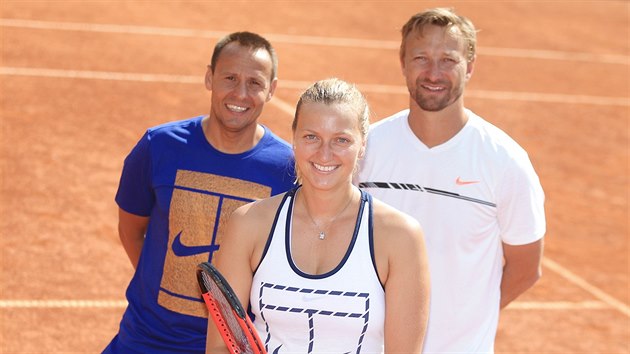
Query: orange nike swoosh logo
{"x":459,"y":182}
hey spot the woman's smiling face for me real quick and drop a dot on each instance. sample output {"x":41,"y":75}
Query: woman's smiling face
{"x":328,"y":143}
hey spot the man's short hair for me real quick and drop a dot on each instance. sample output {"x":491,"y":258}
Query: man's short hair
{"x":250,"y":40}
{"x":442,"y":17}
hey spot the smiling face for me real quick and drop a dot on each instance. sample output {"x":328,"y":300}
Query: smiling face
{"x":435,"y":67}
{"x":240,"y":84}
{"x":328,"y":143}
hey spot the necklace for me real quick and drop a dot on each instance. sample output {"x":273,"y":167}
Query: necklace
{"x":322,"y":234}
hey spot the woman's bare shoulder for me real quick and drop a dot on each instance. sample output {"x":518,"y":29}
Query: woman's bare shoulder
{"x":258,"y":212}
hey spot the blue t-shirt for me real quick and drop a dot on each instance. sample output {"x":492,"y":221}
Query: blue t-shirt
{"x":187,"y":188}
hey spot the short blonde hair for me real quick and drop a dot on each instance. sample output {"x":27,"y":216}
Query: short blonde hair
{"x":442,"y":17}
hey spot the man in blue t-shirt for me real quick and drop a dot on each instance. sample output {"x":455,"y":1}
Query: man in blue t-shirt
{"x":178,"y":186}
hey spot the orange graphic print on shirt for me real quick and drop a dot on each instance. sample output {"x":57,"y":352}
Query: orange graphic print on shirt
{"x":200,"y":205}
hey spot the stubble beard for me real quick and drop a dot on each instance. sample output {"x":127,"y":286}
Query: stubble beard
{"x":434,"y":103}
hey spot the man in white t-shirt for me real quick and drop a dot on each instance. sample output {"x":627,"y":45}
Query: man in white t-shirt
{"x":470,"y":185}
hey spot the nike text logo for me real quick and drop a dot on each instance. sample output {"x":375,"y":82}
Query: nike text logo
{"x":182,"y":250}
{"x":459,"y":182}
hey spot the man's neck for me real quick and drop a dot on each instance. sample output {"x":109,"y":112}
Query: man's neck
{"x":231,"y":142}
{"x":436,"y":128}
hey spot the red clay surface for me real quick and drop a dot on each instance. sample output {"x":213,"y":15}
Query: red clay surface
{"x":553,"y":75}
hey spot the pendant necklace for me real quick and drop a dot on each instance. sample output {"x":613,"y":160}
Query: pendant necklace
{"x":322,"y":234}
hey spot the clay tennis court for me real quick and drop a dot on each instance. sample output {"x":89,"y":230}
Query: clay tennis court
{"x":81,"y":81}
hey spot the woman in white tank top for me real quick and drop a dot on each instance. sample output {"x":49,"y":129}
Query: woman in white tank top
{"x":324,"y":267}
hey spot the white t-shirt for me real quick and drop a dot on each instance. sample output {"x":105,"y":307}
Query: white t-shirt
{"x":470,"y":194}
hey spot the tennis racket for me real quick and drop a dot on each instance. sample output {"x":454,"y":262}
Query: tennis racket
{"x":228,"y":314}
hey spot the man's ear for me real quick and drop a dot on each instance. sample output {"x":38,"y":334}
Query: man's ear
{"x":401,"y":55}
{"x":470,"y":67}
{"x":272,"y":89}
{"x":208,"y":79}
{"x":402,"y":64}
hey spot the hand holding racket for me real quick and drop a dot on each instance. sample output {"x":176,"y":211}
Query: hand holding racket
{"x":228,"y":314}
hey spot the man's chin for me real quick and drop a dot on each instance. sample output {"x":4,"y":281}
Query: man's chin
{"x":432,"y":106}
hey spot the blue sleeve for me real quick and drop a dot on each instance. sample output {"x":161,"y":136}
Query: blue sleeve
{"x":135,"y":190}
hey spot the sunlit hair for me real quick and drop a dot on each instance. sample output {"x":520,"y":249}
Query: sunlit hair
{"x":335,"y":91}
{"x":249,"y":40}
{"x":442,"y":17}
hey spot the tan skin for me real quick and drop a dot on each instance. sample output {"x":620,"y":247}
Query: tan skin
{"x":327,"y":145}
{"x":521,"y":269}
{"x":131,"y":230}
{"x":436,"y":69}
{"x":240,"y":85}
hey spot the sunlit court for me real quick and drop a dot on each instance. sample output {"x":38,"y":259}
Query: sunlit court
{"x":80,"y":82}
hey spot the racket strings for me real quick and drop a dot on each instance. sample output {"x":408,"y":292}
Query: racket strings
{"x":227,"y":316}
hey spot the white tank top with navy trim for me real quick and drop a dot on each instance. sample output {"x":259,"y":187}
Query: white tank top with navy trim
{"x":342,"y":311}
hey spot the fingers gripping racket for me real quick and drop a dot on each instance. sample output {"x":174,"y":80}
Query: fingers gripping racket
{"x":228,"y":314}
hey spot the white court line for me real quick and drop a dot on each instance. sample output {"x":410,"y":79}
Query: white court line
{"x":607,"y":302}
{"x":54,"y":304}
{"x":63,"y":303}
{"x":307,"y":40}
{"x":554,"y":55}
{"x":101,"y":75}
{"x":557,"y":305}
{"x":548,"y":97}
{"x":593,"y":290}
{"x":301,"y":85}
{"x":118,"y":76}
{"x":284,"y":106}
{"x":511,"y":95}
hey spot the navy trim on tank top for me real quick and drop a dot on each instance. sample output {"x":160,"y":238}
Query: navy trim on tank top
{"x":287,"y":239}
{"x":288,"y":194}
{"x":371,"y":236}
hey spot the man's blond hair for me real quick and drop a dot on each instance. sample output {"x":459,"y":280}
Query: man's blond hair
{"x":442,"y":17}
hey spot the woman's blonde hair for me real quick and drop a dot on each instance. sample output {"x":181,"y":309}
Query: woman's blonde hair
{"x":336,"y":91}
